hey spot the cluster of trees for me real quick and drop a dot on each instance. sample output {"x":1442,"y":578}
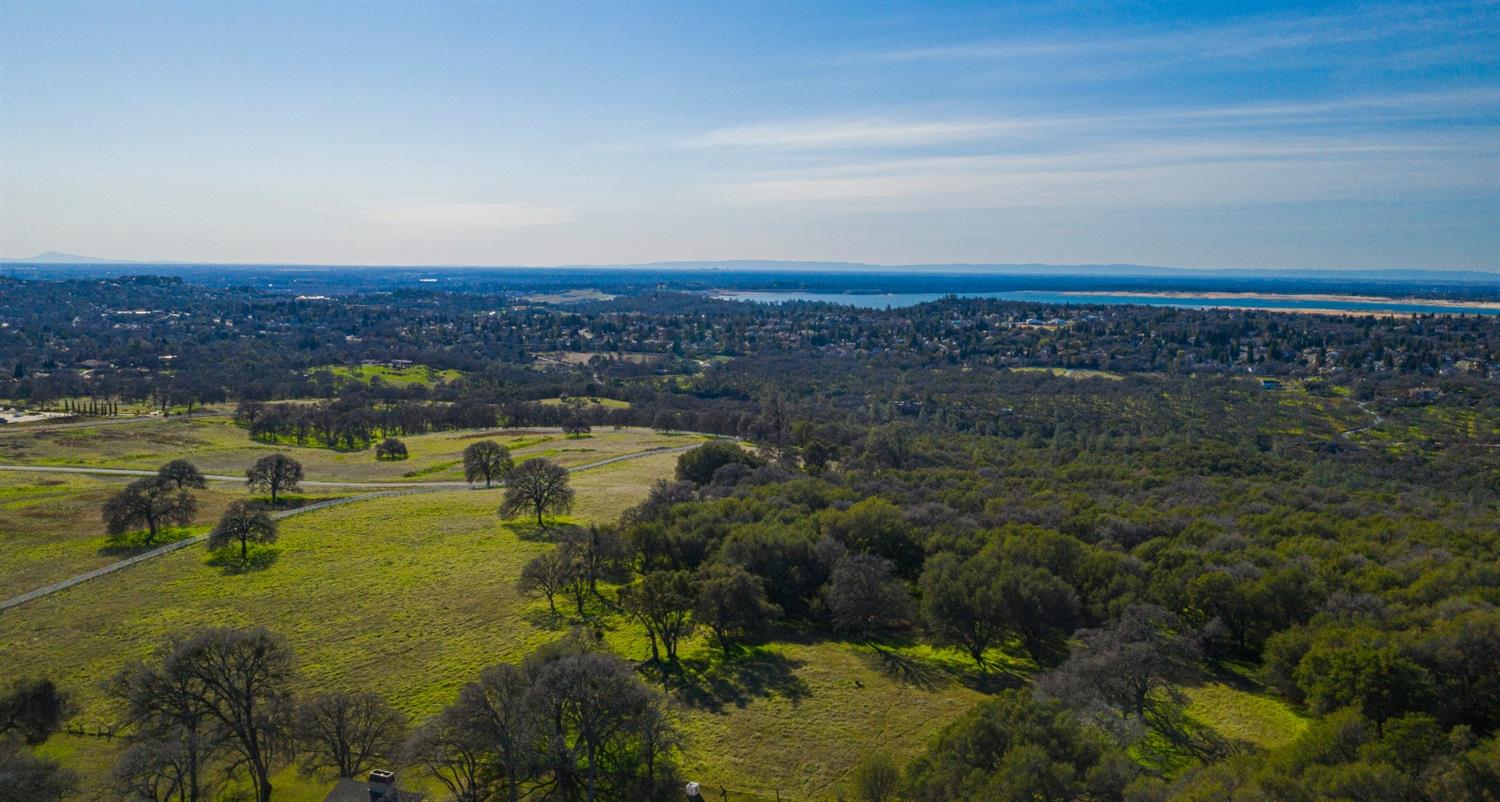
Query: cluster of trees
{"x":218,"y":706}
{"x":1119,"y":536}
{"x":357,"y":420}
{"x":248,"y":343}
{"x":537,"y":486}
{"x":572,"y":721}
{"x":155,"y":502}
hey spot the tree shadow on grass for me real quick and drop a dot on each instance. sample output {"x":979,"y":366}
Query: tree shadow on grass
{"x":132,"y":543}
{"x":528,"y":530}
{"x":891,"y":657}
{"x":715,"y":680}
{"x":228,"y":560}
{"x":1175,"y":738}
{"x":547,"y":619}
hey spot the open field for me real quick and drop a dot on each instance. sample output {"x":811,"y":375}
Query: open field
{"x":50,"y":527}
{"x":390,"y":376}
{"x":1072,"y":373}
{"x":588,"y":403}
{"x":411,"y":596}
{"x":216,"y":445}
{"x":1240,"y":716}
{"x":583,"y":357}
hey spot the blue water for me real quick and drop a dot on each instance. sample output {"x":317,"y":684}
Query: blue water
{"x":900,"y":299}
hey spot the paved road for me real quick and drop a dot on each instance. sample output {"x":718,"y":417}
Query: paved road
{"x":396,"y":489}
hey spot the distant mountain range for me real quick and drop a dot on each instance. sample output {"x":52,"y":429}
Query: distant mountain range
{"x":59,"y":258}
{"x":970,"y":269}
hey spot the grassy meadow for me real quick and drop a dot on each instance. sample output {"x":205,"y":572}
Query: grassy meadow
{"x":390,"y":376}
{"x":411,"y":596}
{"x":217,"y":445}
{"x":50,"y":527}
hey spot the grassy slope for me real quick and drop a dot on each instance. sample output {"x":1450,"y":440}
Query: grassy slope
{"x":412,"y":596}
{"x":392,"y":377}
{"x":50,"y":527}
{"x":1241,"y":716}
{"x":216,"y":445}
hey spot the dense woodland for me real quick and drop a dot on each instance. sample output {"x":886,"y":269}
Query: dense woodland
{"x":1090,"y":543}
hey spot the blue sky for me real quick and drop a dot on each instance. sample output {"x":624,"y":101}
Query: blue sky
{"x":1198,"y":135}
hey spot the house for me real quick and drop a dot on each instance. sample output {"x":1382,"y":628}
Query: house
{"x":379,"y":787}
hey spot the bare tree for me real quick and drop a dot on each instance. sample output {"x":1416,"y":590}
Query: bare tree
{"x":243,"y":523}
{"x":598,"y":550}
{"x":487,"y":460}
{"x":174,"y":725}
{"x":243,"y":676}
{"x":274,"y":473}
{"x":539,"y":485}
{"x":548,"y":573}
{"x":454,"y":753}
{"x":159,"y":769}
{"x":151,"y":502}
{"x":347,"y":733}
{"x":183,"y":475}
{"x":496,"y":709}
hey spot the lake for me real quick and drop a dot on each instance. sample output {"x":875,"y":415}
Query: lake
{"x":900,"y":299}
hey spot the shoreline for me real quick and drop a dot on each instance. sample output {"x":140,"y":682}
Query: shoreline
{"x":1281,"y":296}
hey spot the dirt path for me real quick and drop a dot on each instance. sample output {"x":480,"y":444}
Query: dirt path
{"x":393,"y":489}
{"x":1364,"y":406}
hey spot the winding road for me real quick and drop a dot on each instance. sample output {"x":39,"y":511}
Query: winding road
{"x":383,"y":490}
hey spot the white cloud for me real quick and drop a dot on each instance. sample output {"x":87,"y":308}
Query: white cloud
{"x":1137,"y":175}
{"x":1248,"y":39}
{"x":875,"y":132}
{"x":465,"y":216}
{"x":852,"y":133}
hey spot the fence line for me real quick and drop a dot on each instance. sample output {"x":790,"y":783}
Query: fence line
{"x":188,"y":541}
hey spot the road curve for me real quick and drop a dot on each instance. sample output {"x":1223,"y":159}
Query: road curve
{"x":389,"y":489}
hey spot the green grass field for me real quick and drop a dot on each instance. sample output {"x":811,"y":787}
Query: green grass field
{"x":1243,"y":717}
{"x":216,"y":445}
{"x":612,"y":403}
{"x":50,"y":527}
{"x":393,"y":377}
{"x":412,"y":596}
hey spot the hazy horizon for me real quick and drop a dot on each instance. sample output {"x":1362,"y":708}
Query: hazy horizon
{"x":1207,"y":136}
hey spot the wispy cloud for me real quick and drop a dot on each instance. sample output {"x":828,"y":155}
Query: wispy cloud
{"x":1251,"y":38}
{"x":876,"y":132}
{"x":465,"y":216}
{"x":1199,"y":172}
{"x":871,"y":132}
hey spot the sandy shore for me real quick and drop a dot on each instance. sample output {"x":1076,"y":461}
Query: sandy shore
{"x":1230,"y":297}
